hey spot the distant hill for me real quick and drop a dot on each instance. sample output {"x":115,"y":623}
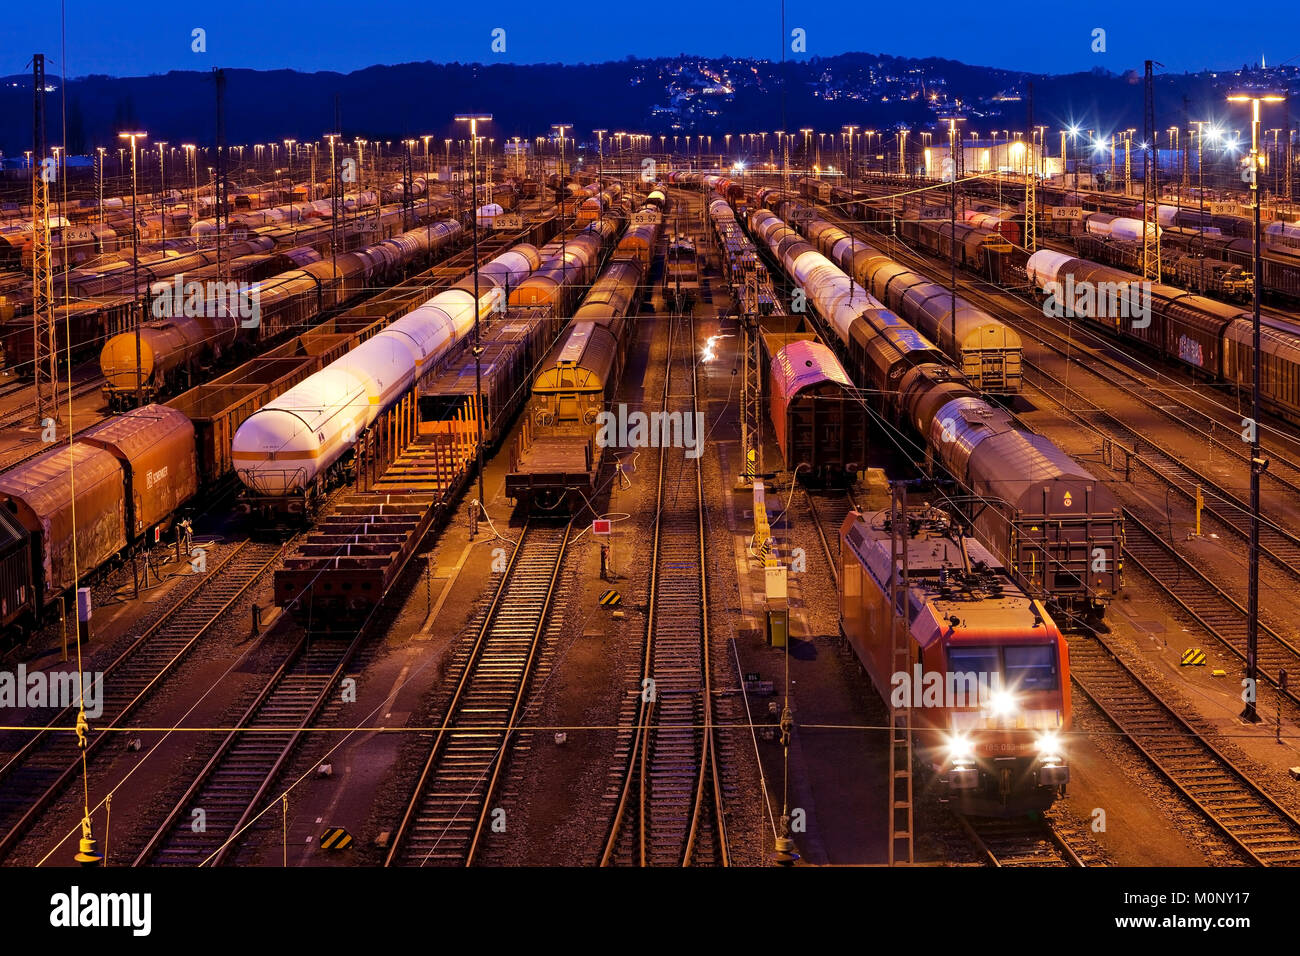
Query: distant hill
{"x":662,"y":96}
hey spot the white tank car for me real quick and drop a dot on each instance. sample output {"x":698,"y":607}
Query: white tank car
{"x":1044,"y":266}
{"x":282,"y":447}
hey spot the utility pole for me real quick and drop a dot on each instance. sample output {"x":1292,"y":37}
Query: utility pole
{"x":1258,"y":463}
{"x":474,"y":119}
{"x":900,"y":718}
{"x":1150,"y":173}
{"x":1200,"y":185}
{"x":219,"y":189}
{"x":162,"y":185}
{"x":408,"y":209}
{"x":1031,"y":188}
{"x":600,"y":156}
{"x":564,"y":242}
{"x":953,"y":144}
{"x":334,"y":204}
{"x":44,"y":352}
{"x":135,"y":264}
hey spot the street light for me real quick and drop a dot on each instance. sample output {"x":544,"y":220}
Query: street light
{"x":1258,"y":463}
{"x":474,"y":119}
{"x":134,"y":136}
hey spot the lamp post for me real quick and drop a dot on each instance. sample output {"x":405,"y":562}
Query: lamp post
{"x":134,"y":136}
{"x":1258,"y":463}
{"x":474,"y":119}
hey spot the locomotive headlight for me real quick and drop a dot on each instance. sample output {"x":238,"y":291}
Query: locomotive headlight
{"x":1002,"y":703}
{"x":960,"y":749}
{"x":1049,"y":747}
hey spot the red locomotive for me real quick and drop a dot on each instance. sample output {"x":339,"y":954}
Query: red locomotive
{"x":987,"y":679}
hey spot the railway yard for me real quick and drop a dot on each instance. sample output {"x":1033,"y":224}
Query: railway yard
{"x":596,"y":505}
{"x":646,"y":654}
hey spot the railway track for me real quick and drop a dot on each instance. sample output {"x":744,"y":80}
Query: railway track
{"x":1217,"y":612}
{"x":1019,"y":842}
{"x":1224,"y":794}
{"x":34,"y":776}
{"x":1175,"y":404}
{"x":25,"y":414}
{"x":232,"y":785}
{"x":1221,"y":505}
{"x":671,"y":810}
{"x":452,"y":800}
{"x":829,"y":509}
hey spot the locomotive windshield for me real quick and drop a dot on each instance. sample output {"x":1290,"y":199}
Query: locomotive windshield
{"x":1031,"y":667}
{"x":1023,"y":667}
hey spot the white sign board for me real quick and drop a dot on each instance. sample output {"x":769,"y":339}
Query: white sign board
{"x":508,"y":221}
{"x":647,"y":218}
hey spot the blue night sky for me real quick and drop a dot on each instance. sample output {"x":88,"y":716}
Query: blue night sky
{"x":151,"y":36}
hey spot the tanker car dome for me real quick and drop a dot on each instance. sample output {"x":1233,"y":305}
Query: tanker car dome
{"x":488,"y":213}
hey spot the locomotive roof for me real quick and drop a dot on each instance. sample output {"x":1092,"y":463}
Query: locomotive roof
{"x":985,"y":601}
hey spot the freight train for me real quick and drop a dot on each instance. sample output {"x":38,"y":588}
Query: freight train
{"x":1281,"y":264}
{"x":987,"y":351}
{"x":1212,"y":339}
{"x":200,"y":329}
{"x":101,"y":293}
{"x":556,"y":458}
{"x":79,"y":505}
{"x":1204,"y":276}
{"x":1055,"y":527}
{"x":987,"y":672}
{"x":345,"y":565}
{"x":819,"y":421}
{"x":288,"y":451}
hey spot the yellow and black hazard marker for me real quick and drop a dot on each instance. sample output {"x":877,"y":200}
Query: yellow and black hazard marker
{"x":1193,"y":657}
{"x":335,"y":838}
{"x":610,"y":598}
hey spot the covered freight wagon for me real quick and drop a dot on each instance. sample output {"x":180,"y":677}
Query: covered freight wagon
{"x":45,"y":494}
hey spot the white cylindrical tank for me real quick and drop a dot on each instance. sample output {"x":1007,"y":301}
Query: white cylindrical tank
{"x":1124,"y":228}
{"x":1044,"y":266}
